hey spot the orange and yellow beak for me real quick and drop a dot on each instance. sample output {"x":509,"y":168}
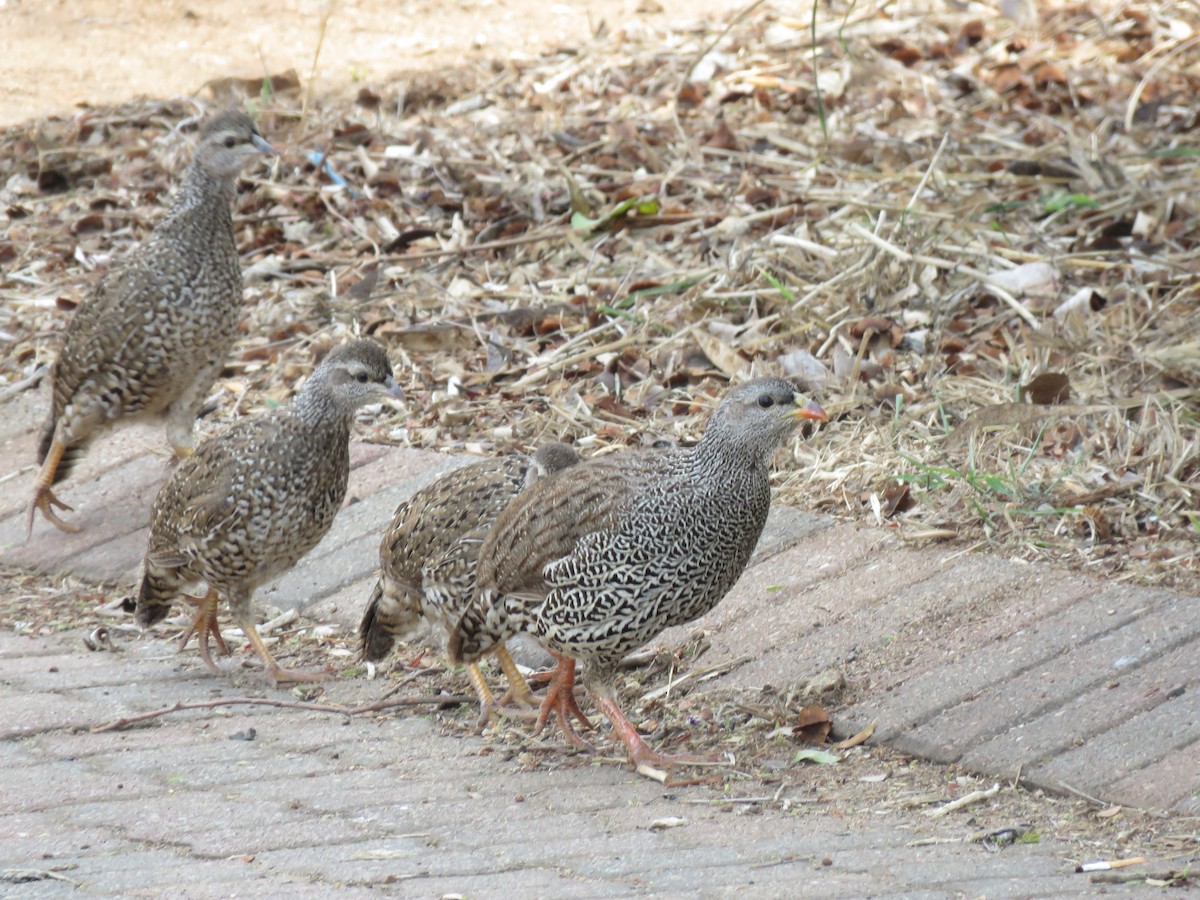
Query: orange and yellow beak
{"x":810,"y":410}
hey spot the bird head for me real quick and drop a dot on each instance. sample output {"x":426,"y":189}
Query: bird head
{"x":356,"y":373}
{"x":550,"y":458}
{"x":758,"y":415}
{"x":228,"y":142}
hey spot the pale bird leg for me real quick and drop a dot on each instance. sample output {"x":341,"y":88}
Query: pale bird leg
{"x":275,"y":672}
{"x":203,"y":624}
{"x":487,"y":700}
{"x":518,"y":688}
{"x":43,"y":497}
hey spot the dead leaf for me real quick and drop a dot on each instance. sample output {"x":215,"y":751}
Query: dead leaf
{"x":860,"y":738}
{"x":1048,"y":389}
{"x":721,"y":355}
{"x":722,"y":137}
{"x":812,"y":725}
{"x":896,"y":498}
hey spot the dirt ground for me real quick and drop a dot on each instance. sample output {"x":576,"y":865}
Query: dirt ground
{"x":55,"y":54}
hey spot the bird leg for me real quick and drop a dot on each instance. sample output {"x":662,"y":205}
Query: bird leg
{"x":489,"y":708}
{"x":203,"y":624}
{"x":518,"y":688}
{"x":640,"y":753}
{"x":276,"y":673}
{"x":487,"y":700}
{"x":43,"y":496}
{"x":560,"y":698}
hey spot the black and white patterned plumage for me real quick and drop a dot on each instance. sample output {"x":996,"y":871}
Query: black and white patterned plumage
{"x":429,"y":552}
{"x":598,"y":559}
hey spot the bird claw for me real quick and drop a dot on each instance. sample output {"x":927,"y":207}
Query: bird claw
{"x":44,"y":500}
{"x":278,"y":675}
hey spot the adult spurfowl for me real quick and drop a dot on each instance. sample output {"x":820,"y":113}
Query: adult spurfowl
{"x":153,"y":336}
{"x":429,"y":552}
{"x":598,"y":559}
{"x":255,"y":499}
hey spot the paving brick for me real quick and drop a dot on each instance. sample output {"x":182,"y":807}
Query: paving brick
{"x":22,"y":415}
{"x":114,"y":504}
{"x":895,"y":608}
{"x":51,"y":785}
{"x":787,"y":526}
{"x":1137,"y":743}
{"x":1171,"y":783}
{"x":31,"y":712}
{"x":921,"y":698}
{"x":764,"y":610}
{"x":137,"y":447}
{"x":1116,"y":695}
{"x":1167,"y":622}
{"x":212,"y":825}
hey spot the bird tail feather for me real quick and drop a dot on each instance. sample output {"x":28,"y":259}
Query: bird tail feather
{"x":155,"y":595}
{"x":375,"y":639}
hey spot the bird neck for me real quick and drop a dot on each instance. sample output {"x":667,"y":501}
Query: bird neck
{"x":720,"y":454}
{"x":203,"y":191}
{"x":316,"y":405}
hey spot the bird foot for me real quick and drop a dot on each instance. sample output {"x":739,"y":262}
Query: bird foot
{"x":278,"y":675}
{"x":204,"y":624}
{"x":560,"y":699}
{"x":648,"y":761}
{"x":44,"y":500}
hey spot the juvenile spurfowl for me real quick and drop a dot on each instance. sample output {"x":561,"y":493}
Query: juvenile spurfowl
{"x":153,"y":337}
{"x":255,"y":499}
{"x":597,"y":560}
{"x":429,"y":552}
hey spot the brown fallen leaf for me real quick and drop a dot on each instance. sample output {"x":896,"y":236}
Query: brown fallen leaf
{"x":1048,"y":389}
{"x":896,"y":498}
{"x":812,"y":725}
{"x":854,"y":741}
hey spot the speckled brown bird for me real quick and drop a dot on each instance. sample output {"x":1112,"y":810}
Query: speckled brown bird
{"x":152,"y":338}
{"x":597,"y":560}
{"x":429,"y":552}
{"x":255,"y":499}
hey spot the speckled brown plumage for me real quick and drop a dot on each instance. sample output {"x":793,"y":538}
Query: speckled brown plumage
{"x":601,"y":558}
{"x":255,"y":499}
{"x":429,"y":553}
{"x":153,"y":336}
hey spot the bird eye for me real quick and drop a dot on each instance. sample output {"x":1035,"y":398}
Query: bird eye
{"x":361,"y":377}
{"x":230,"y":141}
{"x":766,"y":401}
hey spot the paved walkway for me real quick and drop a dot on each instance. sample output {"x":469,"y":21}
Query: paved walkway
{"x":1005,"y":668}
{"x":317,"y":803}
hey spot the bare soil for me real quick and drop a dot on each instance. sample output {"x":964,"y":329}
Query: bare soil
{"x":55,"y":55}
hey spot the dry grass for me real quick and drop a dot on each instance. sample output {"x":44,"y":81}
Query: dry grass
{"x":964,"y":204}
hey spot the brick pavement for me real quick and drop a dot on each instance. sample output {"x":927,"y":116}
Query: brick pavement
{"x":997,"y":665}
{"x":321,"y":803}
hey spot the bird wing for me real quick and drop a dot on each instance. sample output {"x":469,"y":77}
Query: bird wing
{"x":634,"y":577}
{"x":202,"y":493}
{"x":447,"y":578}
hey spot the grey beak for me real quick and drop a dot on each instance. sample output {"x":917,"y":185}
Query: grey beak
{"x":262,"y":146}
{"x":394,"y":389}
